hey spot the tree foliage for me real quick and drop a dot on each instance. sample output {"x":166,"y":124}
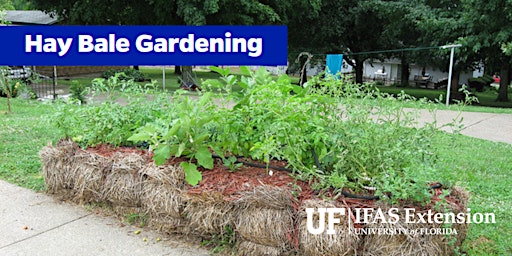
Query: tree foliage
{"x":488,"y":25}
{"x":6,"y":5}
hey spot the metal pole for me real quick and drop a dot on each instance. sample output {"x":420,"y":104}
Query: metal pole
{"x":449,"y":78}
{"x":54,"y":81}
{"x":450,"y":72}
{"x":163,"y":78}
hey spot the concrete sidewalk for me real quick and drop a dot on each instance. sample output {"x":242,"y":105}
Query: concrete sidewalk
{"x":36,"y":224}
{"x":487,"y":126}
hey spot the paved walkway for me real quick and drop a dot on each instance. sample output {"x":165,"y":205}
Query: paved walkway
{"x":487,"y":126}
{"x":36,"y":224}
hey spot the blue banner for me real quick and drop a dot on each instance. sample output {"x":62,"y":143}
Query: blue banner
{"x":143,"y":45}
{"x":334,"y":63}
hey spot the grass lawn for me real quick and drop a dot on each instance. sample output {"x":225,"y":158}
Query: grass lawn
{"x":482,"y":167}
{"x":487,"y":99}
{"x":22,"y":134}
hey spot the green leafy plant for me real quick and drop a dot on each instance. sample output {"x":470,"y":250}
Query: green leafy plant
{"x":231,"y":163}
{"x":183,"y":132}
{"x":137,"y":219}
{"x":333,"y":133}
{"x":223,"y":242}
{"x":78,"y":91}
{"x":5,"y":87}
{"x":125,"y":74}
{"x":109,"y":121}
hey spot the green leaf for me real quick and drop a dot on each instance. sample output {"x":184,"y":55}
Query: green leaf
{"x":192,"y":175}
{"x":244,"y":70}
{"x":214,"y":83}
{"x":222,"y":72}
{"x":181,"y":148}
{"x":204,"y":157}
{"x":174,"y":129}
{"x":142,"y":136}
{"x":162,"y":153}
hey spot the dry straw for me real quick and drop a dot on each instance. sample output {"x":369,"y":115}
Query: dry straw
{"x":89,"y":172}
{"x":423,"y":244}
{"x":341,"y":243}
{"x":208,"y":213}
{"x":161,"y":197}
{"x":57,"y":163}
{"x":123,"y":186}
{"x":265,"y":216}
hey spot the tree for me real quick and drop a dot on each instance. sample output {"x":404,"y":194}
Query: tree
{"x":341,"y":26}
{"x":488,"y":24}
{"x":6,"y":5}
{"x":178,"y":12}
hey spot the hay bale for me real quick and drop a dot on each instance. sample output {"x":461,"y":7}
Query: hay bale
{"x":162,"y":189}
{"x":56,"y":166}
{"x":462,"y":197}
{"x":267,"y":197}
{"x":420,"y":243}
{"x":265,"y":216}
{"x":266,"y":226}
{"x":402,"y":243}
{"x":123,"y":186}
{"x":250,"y":248}
{"x":208,"y":214}
{"x":89,"y":174}
{"x":164,"y":174}
{"x":341,"y":243}
{"x":161,"y":200}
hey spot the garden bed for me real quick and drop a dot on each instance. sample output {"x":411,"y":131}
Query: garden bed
{"x":265,"y":212}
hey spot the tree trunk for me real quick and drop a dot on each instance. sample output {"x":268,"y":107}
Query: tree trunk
{"x":187,"y":78}
{"x":404,"y":77}
{"x":504,"y":82}
{"x":455,"y":80}
{"x":177,"y":70}
{"x":303,"y":71}
{"x":9,"y":104}
{"x":359,"y":70}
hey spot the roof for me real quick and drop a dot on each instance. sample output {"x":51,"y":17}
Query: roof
{"x":30,"y":17}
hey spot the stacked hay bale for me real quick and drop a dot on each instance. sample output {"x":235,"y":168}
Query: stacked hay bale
{"x":416,"y":238}
{"x":57,"y":166}
{"x":207,"y":213}
{"x":162,"y":197}
{"x":89,"y":174}
{"x":343,"y":242}
{"x":122,"y":186}
{"x":265,"y":221}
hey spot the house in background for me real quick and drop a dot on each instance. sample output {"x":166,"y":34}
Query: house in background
{"x":19,"y":18}
{"x":390,"y":71}
{"x":25,"y":18}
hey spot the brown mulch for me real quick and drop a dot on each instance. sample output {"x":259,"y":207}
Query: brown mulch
{"x":232,"y":184}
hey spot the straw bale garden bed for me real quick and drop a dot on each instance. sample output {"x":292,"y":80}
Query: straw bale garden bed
{"x":240,"y":169}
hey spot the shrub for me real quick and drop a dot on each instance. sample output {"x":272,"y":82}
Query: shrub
{"x":109,"y":121}
{"x":126,"y":74}
{"x":78,"y":91}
